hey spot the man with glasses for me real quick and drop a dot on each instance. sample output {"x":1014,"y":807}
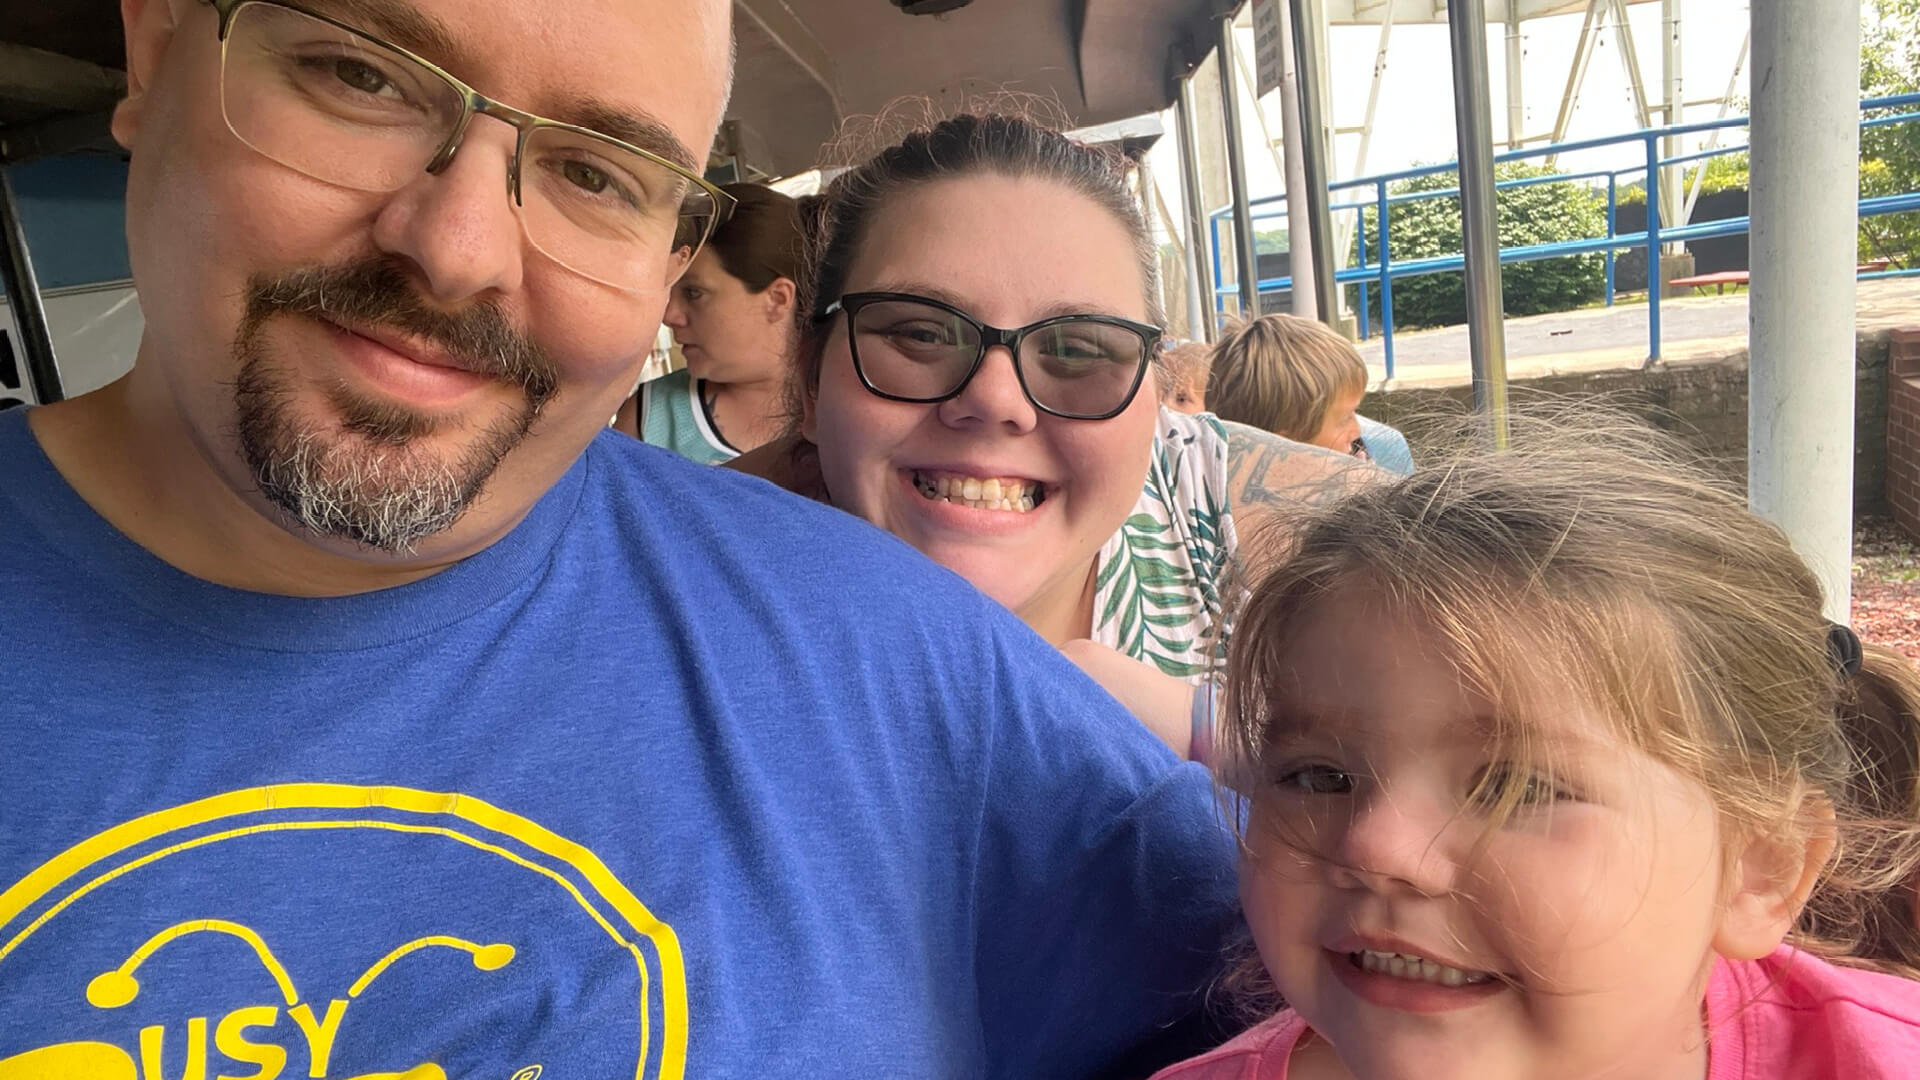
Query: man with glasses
{"x":373,"y":714}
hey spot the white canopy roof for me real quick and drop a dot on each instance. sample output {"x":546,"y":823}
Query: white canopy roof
{"x":806,"y":64}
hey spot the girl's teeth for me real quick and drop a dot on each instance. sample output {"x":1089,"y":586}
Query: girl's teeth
{"x":993,"y":493}
{"x":1419,"y":968}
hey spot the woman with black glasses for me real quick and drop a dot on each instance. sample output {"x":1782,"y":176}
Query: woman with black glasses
{"x":978,"y":376}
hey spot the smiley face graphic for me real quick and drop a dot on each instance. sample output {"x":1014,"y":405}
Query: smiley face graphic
{"x":336,"y":931}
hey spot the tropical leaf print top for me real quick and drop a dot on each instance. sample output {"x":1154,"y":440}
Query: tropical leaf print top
{"x":1159,"y":579}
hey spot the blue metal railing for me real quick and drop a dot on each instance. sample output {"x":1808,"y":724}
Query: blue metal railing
{"x":1382,"y":273}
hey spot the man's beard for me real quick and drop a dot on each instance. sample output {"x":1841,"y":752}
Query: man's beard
{"x":369,"y":481}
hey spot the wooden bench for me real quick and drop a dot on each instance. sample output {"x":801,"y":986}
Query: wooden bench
{"x":1719,"y":281}
{"x":1724,"y":278}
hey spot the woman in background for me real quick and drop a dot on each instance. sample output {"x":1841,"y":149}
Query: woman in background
{"x":732,"y":317}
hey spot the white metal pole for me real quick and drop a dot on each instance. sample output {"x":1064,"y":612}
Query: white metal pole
{"x":1299,"y":246}
{"x":1577,"y":74}
{"x":1193,"y":204}
{"x":1246,"y":261}
{"x":1307,"y":18}
{"x":1516,"y":102}
{"x":1630,"y":62}
{"x":1373,"y":94}
{"x":1805,"y":172}
{"x":1713,"y":137}
{"x":1473,"y":132}
{"x":1672,"y":185}
{"x":1343,"y":232}
{"x":1299,"y":207}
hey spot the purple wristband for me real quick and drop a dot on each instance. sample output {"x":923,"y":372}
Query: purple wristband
{"x":1200,"y":742}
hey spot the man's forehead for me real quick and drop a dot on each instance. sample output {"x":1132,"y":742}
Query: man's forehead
{"x":601,"y":64}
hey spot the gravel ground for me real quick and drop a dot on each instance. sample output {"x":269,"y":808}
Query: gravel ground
{"x":1886,"y":586}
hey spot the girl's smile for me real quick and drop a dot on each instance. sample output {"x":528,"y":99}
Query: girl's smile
{"x":1426,"y":935}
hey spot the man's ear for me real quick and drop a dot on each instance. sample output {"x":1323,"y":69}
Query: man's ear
{"x":1771,"y":880}
{"x":779,"y":299}
{"x":149,"y":26}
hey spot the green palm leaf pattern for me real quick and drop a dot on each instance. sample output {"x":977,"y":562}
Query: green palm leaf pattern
{"x":1157,"y":583}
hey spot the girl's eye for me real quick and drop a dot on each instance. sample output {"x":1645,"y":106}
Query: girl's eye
{"x":1525,"y":788}
{"x":920,"y":334}
{"x":1314,"y":779}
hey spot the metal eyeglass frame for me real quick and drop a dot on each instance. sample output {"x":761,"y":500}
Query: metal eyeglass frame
{"x":474,"y":102}
{"x":990,"y":336}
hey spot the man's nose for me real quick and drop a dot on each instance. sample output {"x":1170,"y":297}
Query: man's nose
{"x":458,"y":227}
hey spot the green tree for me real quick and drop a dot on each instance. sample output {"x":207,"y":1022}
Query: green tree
{"x":1531,"y":214}
{"x":1890,"y":155}
{"x":1270,"y":241}
{"x":1726,"y":172}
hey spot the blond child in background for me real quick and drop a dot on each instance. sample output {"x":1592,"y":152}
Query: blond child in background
{"x":1544,"y":755}
{"x":1299,"y":379}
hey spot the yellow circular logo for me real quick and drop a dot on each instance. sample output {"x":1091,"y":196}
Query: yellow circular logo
{"x":255,"y":927}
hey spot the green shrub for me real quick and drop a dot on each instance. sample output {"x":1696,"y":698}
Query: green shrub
{"x":1728,"y":172}
{"x":1534,"y":214}
{"x":1890,"y":155}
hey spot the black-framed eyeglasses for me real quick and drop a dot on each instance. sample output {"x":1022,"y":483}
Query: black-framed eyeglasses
{"x":917,"y":349}
{"x":350,"y":109}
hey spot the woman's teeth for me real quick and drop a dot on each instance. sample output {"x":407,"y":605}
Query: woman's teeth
{"x":992,"y":493}
{"x":1403,"y":966}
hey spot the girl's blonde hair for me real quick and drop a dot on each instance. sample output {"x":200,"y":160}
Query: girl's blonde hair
{"x":1281,"y":373}
{"x":1597,"y":559}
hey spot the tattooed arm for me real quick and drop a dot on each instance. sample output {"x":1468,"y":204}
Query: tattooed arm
{"x":1265,"y":470}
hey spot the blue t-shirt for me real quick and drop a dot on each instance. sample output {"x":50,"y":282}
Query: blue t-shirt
{"x":1386,"y":446}
{"x":683,"y":777}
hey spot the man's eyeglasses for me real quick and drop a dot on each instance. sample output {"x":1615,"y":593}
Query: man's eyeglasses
{"x":912,"y":348}
{"x":344,"y":107}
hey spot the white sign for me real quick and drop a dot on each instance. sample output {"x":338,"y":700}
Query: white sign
{"x":1269,"y":45}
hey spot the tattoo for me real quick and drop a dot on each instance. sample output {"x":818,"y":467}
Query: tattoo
{"x":1265,"y":470}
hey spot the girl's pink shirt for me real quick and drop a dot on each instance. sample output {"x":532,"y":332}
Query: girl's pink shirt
{"x":1789,"y":1015}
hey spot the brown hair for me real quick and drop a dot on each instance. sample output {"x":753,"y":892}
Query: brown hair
{"x":1281,"y":373}
{"x":970,"y":144}
{"x":1881,"y":719}
{"x":762,"y":241}
{"x":1186,"y":366}
{"x":1598,"y":558}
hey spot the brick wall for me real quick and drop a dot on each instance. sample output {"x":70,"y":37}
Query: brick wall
{"x":1704,"y":404}
{"x":1903,"y":429}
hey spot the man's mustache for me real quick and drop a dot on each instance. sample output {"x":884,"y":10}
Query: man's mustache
{"x":375,"y":292}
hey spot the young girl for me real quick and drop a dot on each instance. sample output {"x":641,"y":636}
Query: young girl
{"x":1545,"y":755}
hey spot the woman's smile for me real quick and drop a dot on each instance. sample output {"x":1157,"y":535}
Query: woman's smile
{"x":1016,"y":500}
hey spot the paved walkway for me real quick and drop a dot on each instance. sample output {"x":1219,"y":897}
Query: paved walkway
{"x":1692,"y":329}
